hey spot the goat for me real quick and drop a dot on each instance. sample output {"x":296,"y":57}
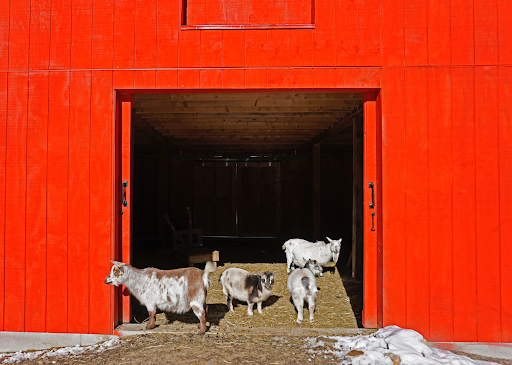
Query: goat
{"x":302,"y":286}
{"x":241,"y":285}
{"x":299,"y":251}
{"x":169,"y":290}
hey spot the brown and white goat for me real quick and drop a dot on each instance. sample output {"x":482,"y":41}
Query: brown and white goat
{"x":241,"y":285}
{"x":169,"y":290}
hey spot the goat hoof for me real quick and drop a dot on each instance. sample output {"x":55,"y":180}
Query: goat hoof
{"x":148,"y":327}
{"x":299,"y":321}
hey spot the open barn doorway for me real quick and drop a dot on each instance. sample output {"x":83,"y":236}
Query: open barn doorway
{"x":251,"y":170}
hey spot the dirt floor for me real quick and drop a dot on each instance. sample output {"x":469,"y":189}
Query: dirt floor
{"x":218,"y":346}
{"x":335,"y":309}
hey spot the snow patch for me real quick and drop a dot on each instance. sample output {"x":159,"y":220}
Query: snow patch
{"x":9,"y":358}
{"x":406,"y":343}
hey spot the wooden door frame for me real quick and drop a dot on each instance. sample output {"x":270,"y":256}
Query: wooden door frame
{"x":123,"y":172}
{"x":372,"y":239}
{"x":372,"y":227}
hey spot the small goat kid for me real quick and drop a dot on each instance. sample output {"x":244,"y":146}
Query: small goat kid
{"x":302,"y":286}
{"x":241,"y":285}
{"x":299,"y":251}
{"x":169,"y":290}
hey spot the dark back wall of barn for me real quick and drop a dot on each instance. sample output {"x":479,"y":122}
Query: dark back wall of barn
{"x":445,"y":78}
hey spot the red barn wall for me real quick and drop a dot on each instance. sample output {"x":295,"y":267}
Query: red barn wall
{"x":444,"y":69}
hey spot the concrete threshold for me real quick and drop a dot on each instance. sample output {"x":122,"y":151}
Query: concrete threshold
{"x":131,"y":329}
{"x":490,"y":349}
{"x":24,"y":341}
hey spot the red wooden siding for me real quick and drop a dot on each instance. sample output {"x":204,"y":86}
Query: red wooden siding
{"x":37,"y":159}
{"x":443,"y":72}
{"x":238,"y":12}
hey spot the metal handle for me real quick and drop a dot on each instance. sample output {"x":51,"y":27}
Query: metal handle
{"x":373,"y":222}
{"x":123,"y":194}
{"x":372,"y":203}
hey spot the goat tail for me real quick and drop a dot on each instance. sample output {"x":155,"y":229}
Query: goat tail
{"x":305,"y":283}
{"x":209,"y":268}
{"x":285,"y":245}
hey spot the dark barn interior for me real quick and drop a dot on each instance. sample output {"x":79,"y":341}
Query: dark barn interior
{"x":255,"y":169}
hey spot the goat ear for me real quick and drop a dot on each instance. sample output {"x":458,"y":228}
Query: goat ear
{"x":117,"y":263}
{"x":328,"y":239}
{"x":274,"y":275}
{"x":260,"y":273}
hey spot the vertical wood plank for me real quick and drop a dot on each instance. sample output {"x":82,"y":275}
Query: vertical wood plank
{"x":278,"y":43}
{"x":504,"y":31}
{"x":256,"y":48}
{"x":256,"y":79}
{"x":301,"y":78}
{"x":415,"y":26}
{"x":126,"y":175}
{"x":196,"y":11}
{"x":15,"y":202}
{"x":439,"y":33}
{"x":188,"y":79}
{"x":462,"y":32}
{"x":393,"y":186}
{"x":233,"y":79}
{"x":211,"y":79}
{"x":60,"y":35}
{"x":78,"y":201}
{"x":100,"y":295}
{"x":440,"y":204}
{"x":81,"y":34}
{"x":324,"y":35}
{"x":19,"y":30}
{"x":505,"y":156}
{"x":57,"y":203}
{"x":487,"y":205}
{"x":3,"y":149}
{"x":486,"y":32}
{"x":463,"y":190}
{"x":370,"y":226}
{"x":233,"y":48}
{"x":103,"y":34}
{"x":39,"y":53}
{"x":124,"y":34}
{"x":278,"y":78}
{"x":417,"y":200}
{"x":167,"y":79}
{"x":189,"y":49}
{"x":369,"y":33}
{"x":37,"y":147}
{"x":346,"y":33}
{"x":4,"y":36}
{"x":211,"y":48}
{"x":324,"y":77}
{"x":122,"y":79}
{"x":144,"y":79}
{"x":168,"y":16}
{"x":145,"y":33}
{"x":301,"y":47}
{"x":393,"y":18}
{"x":259,"y":11}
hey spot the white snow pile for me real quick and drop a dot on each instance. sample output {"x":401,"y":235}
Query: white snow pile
{"x":8,"y":358}
{"x":409,"y":345}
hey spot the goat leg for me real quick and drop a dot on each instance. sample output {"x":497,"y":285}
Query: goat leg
{"x":151,"y":323}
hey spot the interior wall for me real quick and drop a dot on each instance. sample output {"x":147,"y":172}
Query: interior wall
{"x":294,"y":193}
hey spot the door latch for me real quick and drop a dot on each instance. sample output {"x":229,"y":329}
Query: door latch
{"x":372,"y":203}
{"x":123,"y":194}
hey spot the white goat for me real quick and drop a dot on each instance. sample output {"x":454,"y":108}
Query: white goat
{"x":299,"y":251}
{"x":169,"y":290}
{"x":302,"y":286}
{"x":241,"y":285}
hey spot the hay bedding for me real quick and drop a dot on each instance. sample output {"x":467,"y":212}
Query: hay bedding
{"x":333,"y":309}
